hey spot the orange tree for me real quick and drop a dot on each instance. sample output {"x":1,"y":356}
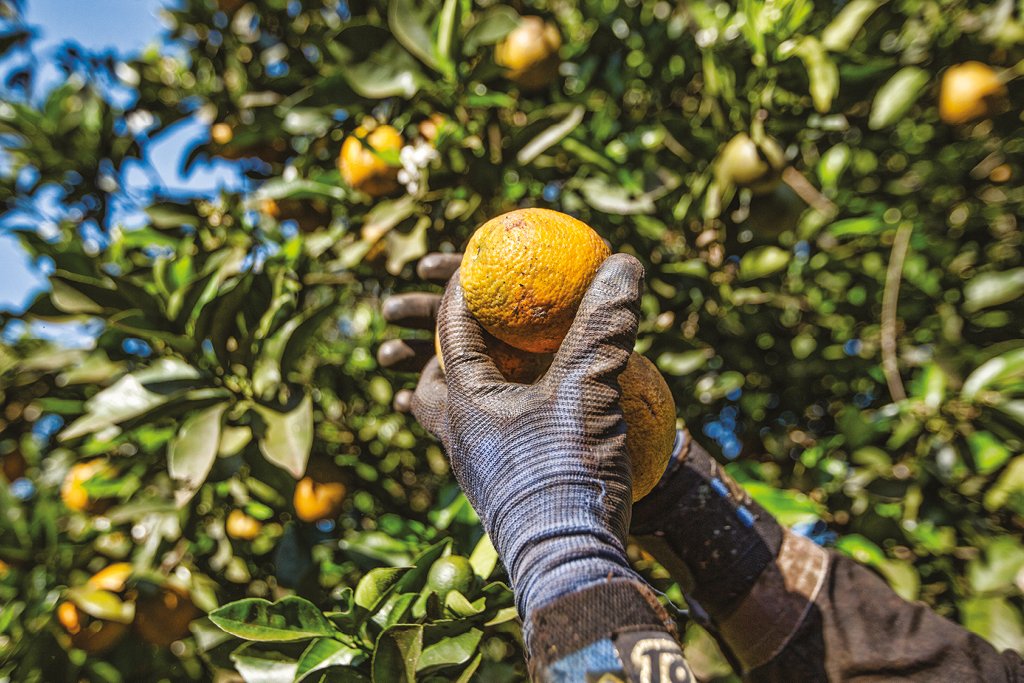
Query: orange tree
{"x":834,"y":294}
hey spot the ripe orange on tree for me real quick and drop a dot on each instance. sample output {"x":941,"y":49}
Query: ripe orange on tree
{"x":364,"y":164}
{"x":13,"y":465}
{"x":529,"y":53}
{"x":524,"y":275}
{"x":969,"y":91}
{"x":89,"y":633}
{"x":73,"y":491}
{"x":241,"y":526}
{"x":315,"y":500}
{"x":163,"y":613}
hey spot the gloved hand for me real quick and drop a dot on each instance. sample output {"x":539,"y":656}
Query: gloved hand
{"x":544,"y":465}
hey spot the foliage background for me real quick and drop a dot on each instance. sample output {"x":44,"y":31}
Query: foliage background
{"x":851,"y":343}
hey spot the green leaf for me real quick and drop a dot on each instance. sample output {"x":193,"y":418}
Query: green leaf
{"x":446,"y":37}
{"x":258,"y":665}
{"x":270,"y":368}
{"x":995,"y":620}
{"x":69,"y":300}
{"x":326,"y":652}
{"x":102,"y":604}
{"x":289,"y":619}
{"x":496,"y":23}
{"x":1006,"y":366}
{"x":288,"y":438}
{"x":682,"y":363}
{"x":993,"y":289}
{"x":376,"y":585}
{"x":839,"y":34}
{"x":191,"y":453}
{"x":989,"y":451}
{"x":551,"y":136}
{"x":388,"y":72}
{"x":408,"y":247}
{"x":614,"y":199}
{"x":821,"y":71}
{"x":763,"y":261}
{"x":1010,"y":482}
{"x":410,"y":23}
{"x":397,"y":654}
{"x":788,"y":507}
{"x":129,"y":397}
{"x":997,"y":569}
{"x":897,"y":96}
{"x":484,"y":557}
{"x":450,"y":651}
{"x":865,"y":225}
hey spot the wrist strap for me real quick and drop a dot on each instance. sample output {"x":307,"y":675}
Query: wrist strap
{"x":601,"y":611}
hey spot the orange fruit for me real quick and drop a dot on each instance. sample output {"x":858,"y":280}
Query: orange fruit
{"x":13,"y":465}
{"x":72,"y":490}
{"x":315,"y":500}
{"x":222,"y":133}
{"x":242,"y":526}
{"x":362,"y":166}
{"x":88,"y":633}
{"x":745,"y":163}
{"x":650,"y":414}
{"x":968,"y":92}
{"x":525,"y":272}
{"x":530,"y":53}
{"x":163,"y":617}
{"x":111,"y":578}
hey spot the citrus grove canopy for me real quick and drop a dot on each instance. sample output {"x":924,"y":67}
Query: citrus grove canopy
{"x":834,"y":298}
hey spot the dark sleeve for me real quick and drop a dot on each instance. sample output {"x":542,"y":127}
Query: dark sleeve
{"x":858,"y":629}
{"x":613,"y":631}
{"x":783,"y":608}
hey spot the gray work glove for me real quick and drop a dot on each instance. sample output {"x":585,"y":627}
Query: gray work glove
{"x":544,"y":465}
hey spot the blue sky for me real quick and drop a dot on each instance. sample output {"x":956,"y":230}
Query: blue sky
{"x":126,"y":26}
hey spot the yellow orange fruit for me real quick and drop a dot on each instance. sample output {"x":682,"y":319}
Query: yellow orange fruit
{"x":745,"y":163}
{"x":968,"y":92}
{"x":111,"y":578}
{"x":650,"y":414}
{"x":525,"y":272}
{"x":163,"y":617}
{"x":316,"y":500}
{"x":222,"y":133}
{"x":242,"y":526}
{"x":72,"y":490}
{"x":363,"y":164}
{"x":13,"y":465}
{"x":88,"y":633}
{"x":530,"y":53}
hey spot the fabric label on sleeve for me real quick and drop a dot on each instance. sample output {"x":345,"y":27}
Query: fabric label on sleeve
{"x":652,"y":657}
